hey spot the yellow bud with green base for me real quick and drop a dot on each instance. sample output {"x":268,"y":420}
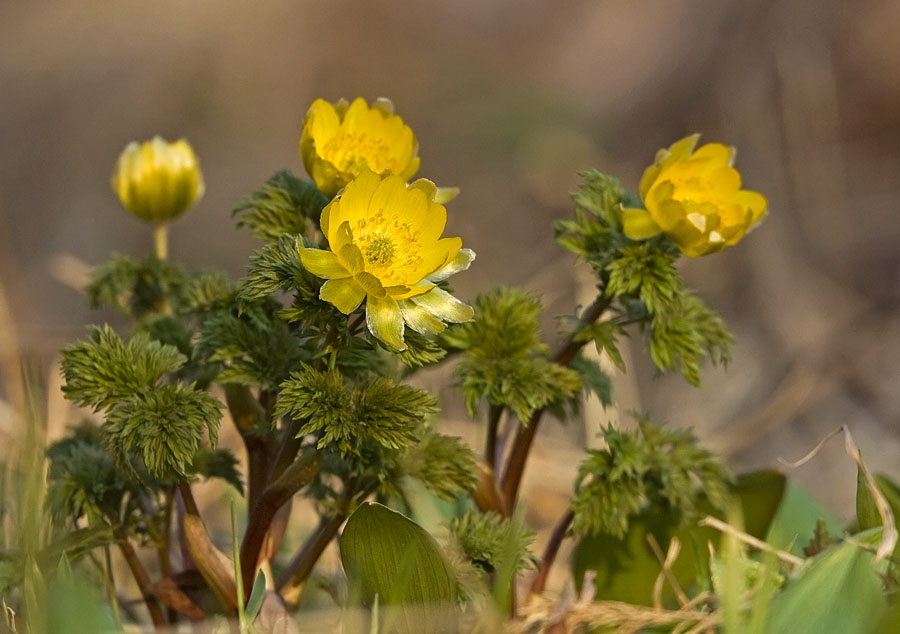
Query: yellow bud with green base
{"x":158,"y":181}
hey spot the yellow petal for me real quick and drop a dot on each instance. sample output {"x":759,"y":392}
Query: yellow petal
{"x":385,"y":321}
{"x":446,"y":194}
{"x":638,"y":224}
{"x":352,"y":258}
{"x":716,"y":153}
{"x":345,"y":294}
{"x":444,"y":306}
{"x":420,"y":319}
{"x":405,"y":292}
{"x":323,"y":121}
{"x":391,"y":196}
{"x":342,"y":236}
{"x":754,"y":202}
{"x":681,"y":150}
{"x":426,"y":186}
{"x":433,"y":222}
{"x":411,"y":168}
{"x":355,"y":199}
{"x":371,"y":284}
{"x":322,"y":263}
{"x":460,"y":263}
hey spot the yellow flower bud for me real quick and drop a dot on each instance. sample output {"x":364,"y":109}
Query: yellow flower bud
{"x":158,"y":181}
{"x":341,"y":141}
{"x":695,"y":198}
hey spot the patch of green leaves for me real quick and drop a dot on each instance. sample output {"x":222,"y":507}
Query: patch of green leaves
{"x":104,"y":370}
{"x":284,"y":204}
{"x":504,"y":361}
{"x":681,"y":337}
{"x":487,"y":539}
{"x":160,"y":424}
{"x":648,"y":272}
{"x":380,"y":409}
{"x":648,"y":466}
{"x":163,"y":426}
{"x":217,"y":463}
{"x":255,"y":347}
{"x":84,"y":480}
{"x":444,"y":464}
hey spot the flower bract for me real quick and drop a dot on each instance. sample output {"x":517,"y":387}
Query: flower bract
{"x":386,"y":249}
{"x":158,"y":181}
{"x":695,"y":198}
{"x":339,"y":141}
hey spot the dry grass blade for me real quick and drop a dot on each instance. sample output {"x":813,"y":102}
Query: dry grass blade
{"x":889,"y":532}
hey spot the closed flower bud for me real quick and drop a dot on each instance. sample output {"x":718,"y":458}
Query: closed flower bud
{"x":695,"y":198}
{"x":158,"y":181}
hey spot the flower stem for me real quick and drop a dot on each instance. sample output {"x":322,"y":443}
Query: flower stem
{"x":490,"y":445}
{"x":190,"y":505}
{"x":550,"y":552}
{"x":518,"y":455}
{"x":141,"y":577}
{"x":161,"y":240}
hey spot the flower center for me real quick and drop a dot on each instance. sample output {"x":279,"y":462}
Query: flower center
{"x":380,"y":251}
{"x":390,"y":248}
{"x":352,"y":151}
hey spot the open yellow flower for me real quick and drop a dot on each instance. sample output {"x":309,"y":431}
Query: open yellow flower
{"x":340,"y":141}
{"x":158,"y":181}
{"x":386,"y":249}
{"x":695,"y":198}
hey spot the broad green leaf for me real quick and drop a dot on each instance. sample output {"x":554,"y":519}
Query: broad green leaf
{"x":386,"y":554}
{"x":837,"y":591}
{"x":760,"y":493}
{"x":867,"y":515}
{"x":795,"y":522}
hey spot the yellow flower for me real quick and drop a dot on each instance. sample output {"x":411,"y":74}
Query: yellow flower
{"x":158,"y":181}
{"x":340,"y":141}
{"x":695,"y":198}
{"x":386,"y":249}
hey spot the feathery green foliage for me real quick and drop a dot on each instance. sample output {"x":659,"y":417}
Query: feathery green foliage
{"x":487,"y":538}
{"x":84,"y":480}
{"x":254,"y":347}
{"x":217,"y":463}
{"x":444,"y":464}
{"x":324,"y":402}
{"x":103,"y":370}
{"x":686,"y":333}
{"x":647,"y":466}
{"x":160,"y":424}
{"x":284,"y":204}
{"x":648,"y":272}
{"x":382,"y":410}
{"x":504,"y":360}
{"x":163,"y":427}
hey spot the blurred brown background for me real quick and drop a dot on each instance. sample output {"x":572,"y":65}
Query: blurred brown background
{"x":509,"y":99}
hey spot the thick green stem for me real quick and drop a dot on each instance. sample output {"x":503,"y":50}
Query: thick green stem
{"x":518,"y":455}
